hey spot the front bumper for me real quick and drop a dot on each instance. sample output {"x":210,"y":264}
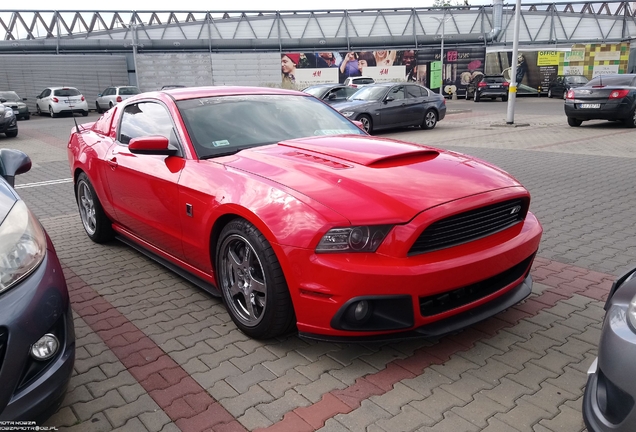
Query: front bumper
{"x":610,"y":394}
{"x":618,"y":110}
{"x":33,"y":390}
{"x":403,"y":287}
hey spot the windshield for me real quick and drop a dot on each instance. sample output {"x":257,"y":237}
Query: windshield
{"x":10,"y":96}
{"x":227,"y":124}
{"x":66,"y":92}
{"x":369,"y":93}
{"x":576,"y":80}
{"x":128,"y":91}
{"x":315,"y":91}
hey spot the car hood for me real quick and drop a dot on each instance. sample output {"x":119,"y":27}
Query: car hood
{"x":7,"y":199}
{"x":353,"y":105}
{"x":368,"y":179}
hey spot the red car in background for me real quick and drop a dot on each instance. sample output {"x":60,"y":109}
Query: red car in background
{"x":295,"y":217}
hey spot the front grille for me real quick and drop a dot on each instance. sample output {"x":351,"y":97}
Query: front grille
{"x":470,"y":226}
{"x":3,"y":344}
{"x":438,"y":303}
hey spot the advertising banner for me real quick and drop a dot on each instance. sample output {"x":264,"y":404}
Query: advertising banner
{"x":461,"y":65}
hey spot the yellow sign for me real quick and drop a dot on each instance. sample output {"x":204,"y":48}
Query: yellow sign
{"x":548,"y":58}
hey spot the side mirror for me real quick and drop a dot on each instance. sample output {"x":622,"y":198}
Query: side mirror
{"x":2,"y":100}
{"x":389,"y":99}
{"x":24,"y":99}
{"x":331,"y":96}
{"x":151,"y":145}
{"x":99,"y":95}
{"x":12,"y":163}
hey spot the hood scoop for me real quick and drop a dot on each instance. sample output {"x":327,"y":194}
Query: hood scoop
{"x":362,"y":150}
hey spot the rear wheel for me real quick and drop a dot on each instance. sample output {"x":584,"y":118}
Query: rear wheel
{"x":550,"y":93}
{"x":51,"y":112}
{"x":38,"y":110}
{"x":630,"y":121}
{"x":27,"y":116}
{"x":367,"y":123}
{"x":96,"y":224}
{"x":252,"y":282}
{"x":504,"y":98}
{"x":574,"y":122}
{"x":565,"y":94}
{"x":85,"y":113}
{"x":110,"y":105}
{"x":476,"y":97}
{"x":430,"y":119}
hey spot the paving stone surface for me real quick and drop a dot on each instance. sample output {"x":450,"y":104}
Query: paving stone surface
{"x":156,"y":353}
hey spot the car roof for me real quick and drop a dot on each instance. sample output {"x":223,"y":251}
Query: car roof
{"x":198,"y":92}
{"x":325,"y":85}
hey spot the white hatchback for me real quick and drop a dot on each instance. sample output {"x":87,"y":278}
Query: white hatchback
{"x":113,"y":95}
{"x":57,"y":100}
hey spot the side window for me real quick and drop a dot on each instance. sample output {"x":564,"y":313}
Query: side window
{"x":146,"y":119}
{"x":413,"y":91}
{"x":341,"y":93}
{"x":350,"y":91}
{"x":46,"y":93}
{"x":397,"y":93}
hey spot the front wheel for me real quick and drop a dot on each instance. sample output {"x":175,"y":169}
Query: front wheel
{"x":252,"y":282}
{"x":367,"y":123}
{"x":96,"y":224}
{"x":11,"y":134}
{"x":430,"y":120}
{"x":574,"y":122}
{"x":98,"y":108}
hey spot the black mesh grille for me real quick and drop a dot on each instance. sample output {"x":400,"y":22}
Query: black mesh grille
{"x":3,"y":344}
{"x":469,"y":226}
{"x":438,"y":303}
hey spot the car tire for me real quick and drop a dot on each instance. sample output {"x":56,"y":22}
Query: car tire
{"x":110,"y":105}
{"x":96,"y":224}
{"x":52,"y":113}
{"x":38,"y":111}
{"x":11,"y":134}
{"x":504,"y":98}
{"x":630,"y":121}
{"x":98,"y":108}
{"x":565,"y":94}
{"x":550,"y":95}
{"x":367,"y":123}
{"x":467,"y":95}
{"x":574,"y":122}
{"x":84,"y":113}
{"x":252,"y":282}
{"x":476,"y":97}
{"x":27,"y":116}
{"x":430,"y":119}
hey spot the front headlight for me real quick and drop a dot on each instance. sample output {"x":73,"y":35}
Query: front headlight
{"x":22,"y":245}
{"x":8,"y":112}
{"x":353,"y":239}
{"x":347,"y":113}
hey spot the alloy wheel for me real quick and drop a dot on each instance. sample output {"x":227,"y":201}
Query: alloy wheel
{"x":243,"y":280}
{"x":86,"y":207}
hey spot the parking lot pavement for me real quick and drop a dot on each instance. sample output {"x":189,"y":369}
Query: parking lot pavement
{"x":156,"y":353}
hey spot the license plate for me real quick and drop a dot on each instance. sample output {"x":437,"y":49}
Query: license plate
{"x":589,"y":105}
{"x":495,"y":86}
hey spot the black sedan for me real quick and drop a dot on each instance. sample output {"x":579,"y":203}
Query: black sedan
{"x":560,"y":86}
{"x":606,"y":97}
{"x":13,"y":101}
{"x":37,"y":340}
{"x":8,"y":121}
{"x":391,"y":105}
{"x":331,"y":93}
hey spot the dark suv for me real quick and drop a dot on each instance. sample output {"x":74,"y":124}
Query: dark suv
{"x":488,"y":86}
{"x":561,"y":84}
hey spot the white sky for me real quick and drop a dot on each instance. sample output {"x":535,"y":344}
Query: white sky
{"x":233,"y":5}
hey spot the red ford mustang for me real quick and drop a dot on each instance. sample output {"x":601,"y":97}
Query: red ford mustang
{"x":294,"y":216}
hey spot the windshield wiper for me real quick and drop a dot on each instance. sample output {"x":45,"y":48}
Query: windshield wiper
{"x":219,"y":154}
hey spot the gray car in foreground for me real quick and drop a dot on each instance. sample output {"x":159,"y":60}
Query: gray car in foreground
{"x":37,"y":340}
{"x":610,"y":393}
{"x":392,"y":105}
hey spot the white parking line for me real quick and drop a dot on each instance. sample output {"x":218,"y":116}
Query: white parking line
{"x":44,"y":183}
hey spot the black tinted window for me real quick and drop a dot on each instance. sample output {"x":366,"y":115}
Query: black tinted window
{"x":413,"y":91}
{"x":490,"y":80}
{"x":363,"y":81}
{"x":128,"y":91}
{"x":66,"y":92}
{"x":146,"y":119}
{"x":397,"y":93}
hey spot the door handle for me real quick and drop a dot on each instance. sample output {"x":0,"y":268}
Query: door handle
{"x":112,"y":162}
